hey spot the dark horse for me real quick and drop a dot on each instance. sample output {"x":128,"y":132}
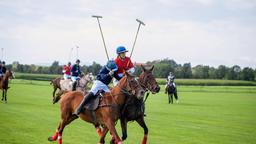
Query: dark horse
{"x":134,"y":108}
{"x":171,"y":91}
{"x":106,"y":114}
{"x":4,"y":81}
{"x":56,"y":85}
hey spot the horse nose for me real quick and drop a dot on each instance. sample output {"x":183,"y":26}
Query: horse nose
{"x":157,"y":88}
{"x":142,"y":92}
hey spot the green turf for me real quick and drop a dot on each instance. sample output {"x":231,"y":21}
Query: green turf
{"x":225,"y":115}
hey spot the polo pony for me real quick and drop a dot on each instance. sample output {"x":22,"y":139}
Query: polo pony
{"x":4,"y":82}
{"x":107,"y":112}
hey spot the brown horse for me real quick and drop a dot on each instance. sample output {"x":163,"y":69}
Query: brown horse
{"x":134,"y":108}
{"x":4,"y":81}
{"x":106,"y":114}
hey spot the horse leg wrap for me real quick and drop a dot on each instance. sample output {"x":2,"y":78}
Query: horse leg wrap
{"x":120,"y":142}
{"x":55,"y":136}
{"x":59,"y":139}
{"x":145,"y":138}
{"x":98,"y":129}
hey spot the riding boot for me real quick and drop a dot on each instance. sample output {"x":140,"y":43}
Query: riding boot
{"x":74,"y":86}
{"x":84,"y":102}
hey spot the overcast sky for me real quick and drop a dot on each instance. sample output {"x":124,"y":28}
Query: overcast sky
{"x":209,"y":32}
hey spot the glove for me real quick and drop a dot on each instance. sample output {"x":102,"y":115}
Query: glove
{"x":111,"y":73}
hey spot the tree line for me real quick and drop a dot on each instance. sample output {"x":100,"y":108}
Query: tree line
{"x":162,"y":69}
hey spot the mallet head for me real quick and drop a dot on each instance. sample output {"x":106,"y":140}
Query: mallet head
{"x":96,"y":16}
{"x":140,"y":22}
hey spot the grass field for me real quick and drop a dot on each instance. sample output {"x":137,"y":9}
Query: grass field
{"x":219,"y":114}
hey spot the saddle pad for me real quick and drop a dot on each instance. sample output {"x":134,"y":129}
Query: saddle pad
{"x":93,"y":103}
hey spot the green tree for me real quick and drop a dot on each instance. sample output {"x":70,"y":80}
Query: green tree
{"x":248,"y":74}
{"x":212,"y":73}
{"x":186,"y":70}
{"x":200,"y":71}
{"x":94,"y":68}
{"x":221,"y":71}
{"x":234,"y":73}
{"x":55,"y":68}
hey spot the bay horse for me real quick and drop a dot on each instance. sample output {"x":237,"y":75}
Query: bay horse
{"x":106,"y":114}
{"x":66,"y":85}
{"x":171,"y":91}
{"x":4,"y":81}
{"x":134,"y":108}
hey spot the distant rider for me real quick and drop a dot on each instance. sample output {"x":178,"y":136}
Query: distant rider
{"x":67,"y":71}
{"x":1,"y":70}
{"x":170,"y":80}
{"x":75,"y":73}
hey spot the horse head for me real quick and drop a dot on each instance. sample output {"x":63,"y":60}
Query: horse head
{"x":148,"y":81}
{"x":129,"y":85}
{"x":85,"y":79}
{"x":9,"y":74}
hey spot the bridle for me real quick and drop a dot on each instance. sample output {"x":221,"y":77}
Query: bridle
{"x":130,"y":91}
{"x":145,"y":85}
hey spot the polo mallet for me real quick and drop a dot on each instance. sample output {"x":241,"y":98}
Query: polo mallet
{"x":2,"y":54}
{"x":70,"y":54}
{"x":140,"y":23}
{"x":77,"y":51}
{"x":95,"y":16}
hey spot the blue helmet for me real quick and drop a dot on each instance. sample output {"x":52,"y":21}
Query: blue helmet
{"x":121,"y":49}
{"x":111,"y":65}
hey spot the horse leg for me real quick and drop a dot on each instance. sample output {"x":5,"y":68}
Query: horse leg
{"x":111,"y":126}
{"x":169,"y":97}
{"x":5,"y":95}
{"x":98,"y":129}
{"x":53,"y":94}
{"x":103,"y":135}
{"x":57,"y":97}
{"x":142,"y":123}
{"x":123,"y":122}
{"x":176,"y":96}
{"x":172,"y":98}
{"x":64,"y":121}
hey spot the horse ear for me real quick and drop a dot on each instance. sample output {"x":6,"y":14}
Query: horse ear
{"x":143,"y":69}
{"x":151,"y":69}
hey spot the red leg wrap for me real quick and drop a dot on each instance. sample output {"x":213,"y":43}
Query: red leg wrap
{"x":55,"y":136}
{"x":59,"y":139}
{"x":98,"y":129}
{"x":145,"y":138}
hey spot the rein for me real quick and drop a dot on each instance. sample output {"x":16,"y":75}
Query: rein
{"x":124,"y":91}
{"x":145,"y":88}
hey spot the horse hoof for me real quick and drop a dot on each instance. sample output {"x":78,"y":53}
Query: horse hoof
{"x":50,"y":139}
{"x":112,"y":141}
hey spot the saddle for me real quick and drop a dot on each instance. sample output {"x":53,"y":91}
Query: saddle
{"x":94,"y":102}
